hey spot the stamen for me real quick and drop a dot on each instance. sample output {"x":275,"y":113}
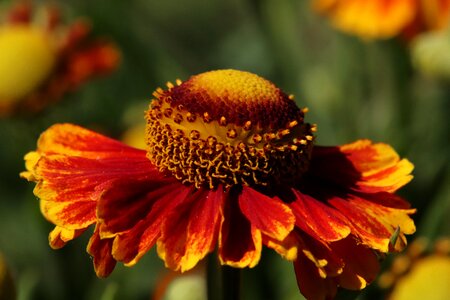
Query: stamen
{"x":230,"y":140}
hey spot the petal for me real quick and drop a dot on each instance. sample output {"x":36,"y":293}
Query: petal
{"x":318,"y":219}
{"x":269,"y":215}
{"x":100,"y":250}
{"x":326,"y":261}
{"x":190,"y":232}
{"x":72,"y":166}
{"x":375,"y":224}
{"x":240,"y":242}
{"x":59,"y":236}
{"x":361,"y":264}
{"x":361,"y":166}
{"x":287,"y":248}
{"x":311,"y":285}
{"x":127,"y":202}
{"x":129,"y":246}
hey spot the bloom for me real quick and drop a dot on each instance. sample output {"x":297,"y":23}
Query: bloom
{"x":41,"y":58}
{"x":419,"y":274}
{"x":230,"y":163}
{"x":379,"y":19}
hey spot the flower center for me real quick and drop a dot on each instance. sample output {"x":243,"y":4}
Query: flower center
{"x":228,"y":127}
{"x":26,"y":59}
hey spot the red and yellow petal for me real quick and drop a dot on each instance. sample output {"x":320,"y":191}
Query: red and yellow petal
{"x":318,"y":219}
{"x":310,"y":283}
{"x":190,"y":232}
{"x":73,"y":167}
{"x":362,"y":166}
{"x":59,"y":236}
{"x":287,"y":248}
{"x":321,"y":268}
{"x":375,"y":224}
{"x":240,"y":242}
{"x":130,"y":244}
{"x":361,"y":265}
{"x":269,"y":215}
{"x":100,"y":250}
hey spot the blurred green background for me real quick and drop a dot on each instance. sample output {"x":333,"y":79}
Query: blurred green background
{"x":354,"y":89}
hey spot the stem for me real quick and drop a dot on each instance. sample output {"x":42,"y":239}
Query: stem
{"x":223,"y":282}
{"x":231,"y":283}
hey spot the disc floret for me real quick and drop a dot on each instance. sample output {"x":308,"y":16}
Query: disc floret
{"x":228,"y":127}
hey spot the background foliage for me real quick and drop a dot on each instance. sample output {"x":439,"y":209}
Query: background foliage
{"x":354,"y":89}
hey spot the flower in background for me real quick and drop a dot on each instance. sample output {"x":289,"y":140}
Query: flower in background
{"x":230,"y":163}
{"x":41,"y":58}
{"x":419,"y":274}
{"x":430,"y":54}
{"x":380,"y":19}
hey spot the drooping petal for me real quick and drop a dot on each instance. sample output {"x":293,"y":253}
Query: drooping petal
{"x":130,"y":245}
{"x":72,"y":167}
{"x":190,"y":232}
{"x":361,"y":166}
{"x":287,"y":248}
{"x":240,"y":242}
{"x":375,"y":224}
{"x":361,"y":264}
{"x":59,"y":236}
{"x":311,"y":285}
{"x":318,"y":219}
{"x":269,"y":215}
{"x":327,"y":262}
{"x":100,"y":250}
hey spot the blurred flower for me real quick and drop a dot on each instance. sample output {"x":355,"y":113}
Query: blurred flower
{"x":431,"y":54}
{"x":187,"y":286}
{"x":379,"y":19}
{"x":229,"y":161}
{"x":41,"y":58}
{"x":7,"y":286}
{"x":418,"y":274}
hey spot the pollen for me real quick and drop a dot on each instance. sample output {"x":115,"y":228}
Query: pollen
{"x":228,"y":127}
{"x":26,"y":59}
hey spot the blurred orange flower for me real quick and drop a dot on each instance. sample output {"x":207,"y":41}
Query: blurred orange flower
{"x":230,"y":163}
{"x":379,"y":19}
{"x":41,"y":58}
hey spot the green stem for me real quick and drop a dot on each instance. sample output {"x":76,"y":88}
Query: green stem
{"x":223,"y":282}
{"x":231,"y":283}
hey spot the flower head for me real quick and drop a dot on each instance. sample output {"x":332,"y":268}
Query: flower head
{"x":41,"y":59}
{"x":380,"y":19}
{"x":230,"y":164}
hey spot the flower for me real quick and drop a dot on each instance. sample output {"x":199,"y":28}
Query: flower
{"x":41,"y":59}
{"x":419,"y":274}
{"x":230,"y":163}
{"x":430,"y":53}
{"x":380,"y":19}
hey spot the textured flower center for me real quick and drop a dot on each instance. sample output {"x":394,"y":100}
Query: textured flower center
{"x":228,"y":127}
{"x":26,"y":60}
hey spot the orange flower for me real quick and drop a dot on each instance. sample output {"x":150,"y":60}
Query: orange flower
{"x":379,"y":19}
{"x":41,"y":59}
{"x":230,"y":163}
